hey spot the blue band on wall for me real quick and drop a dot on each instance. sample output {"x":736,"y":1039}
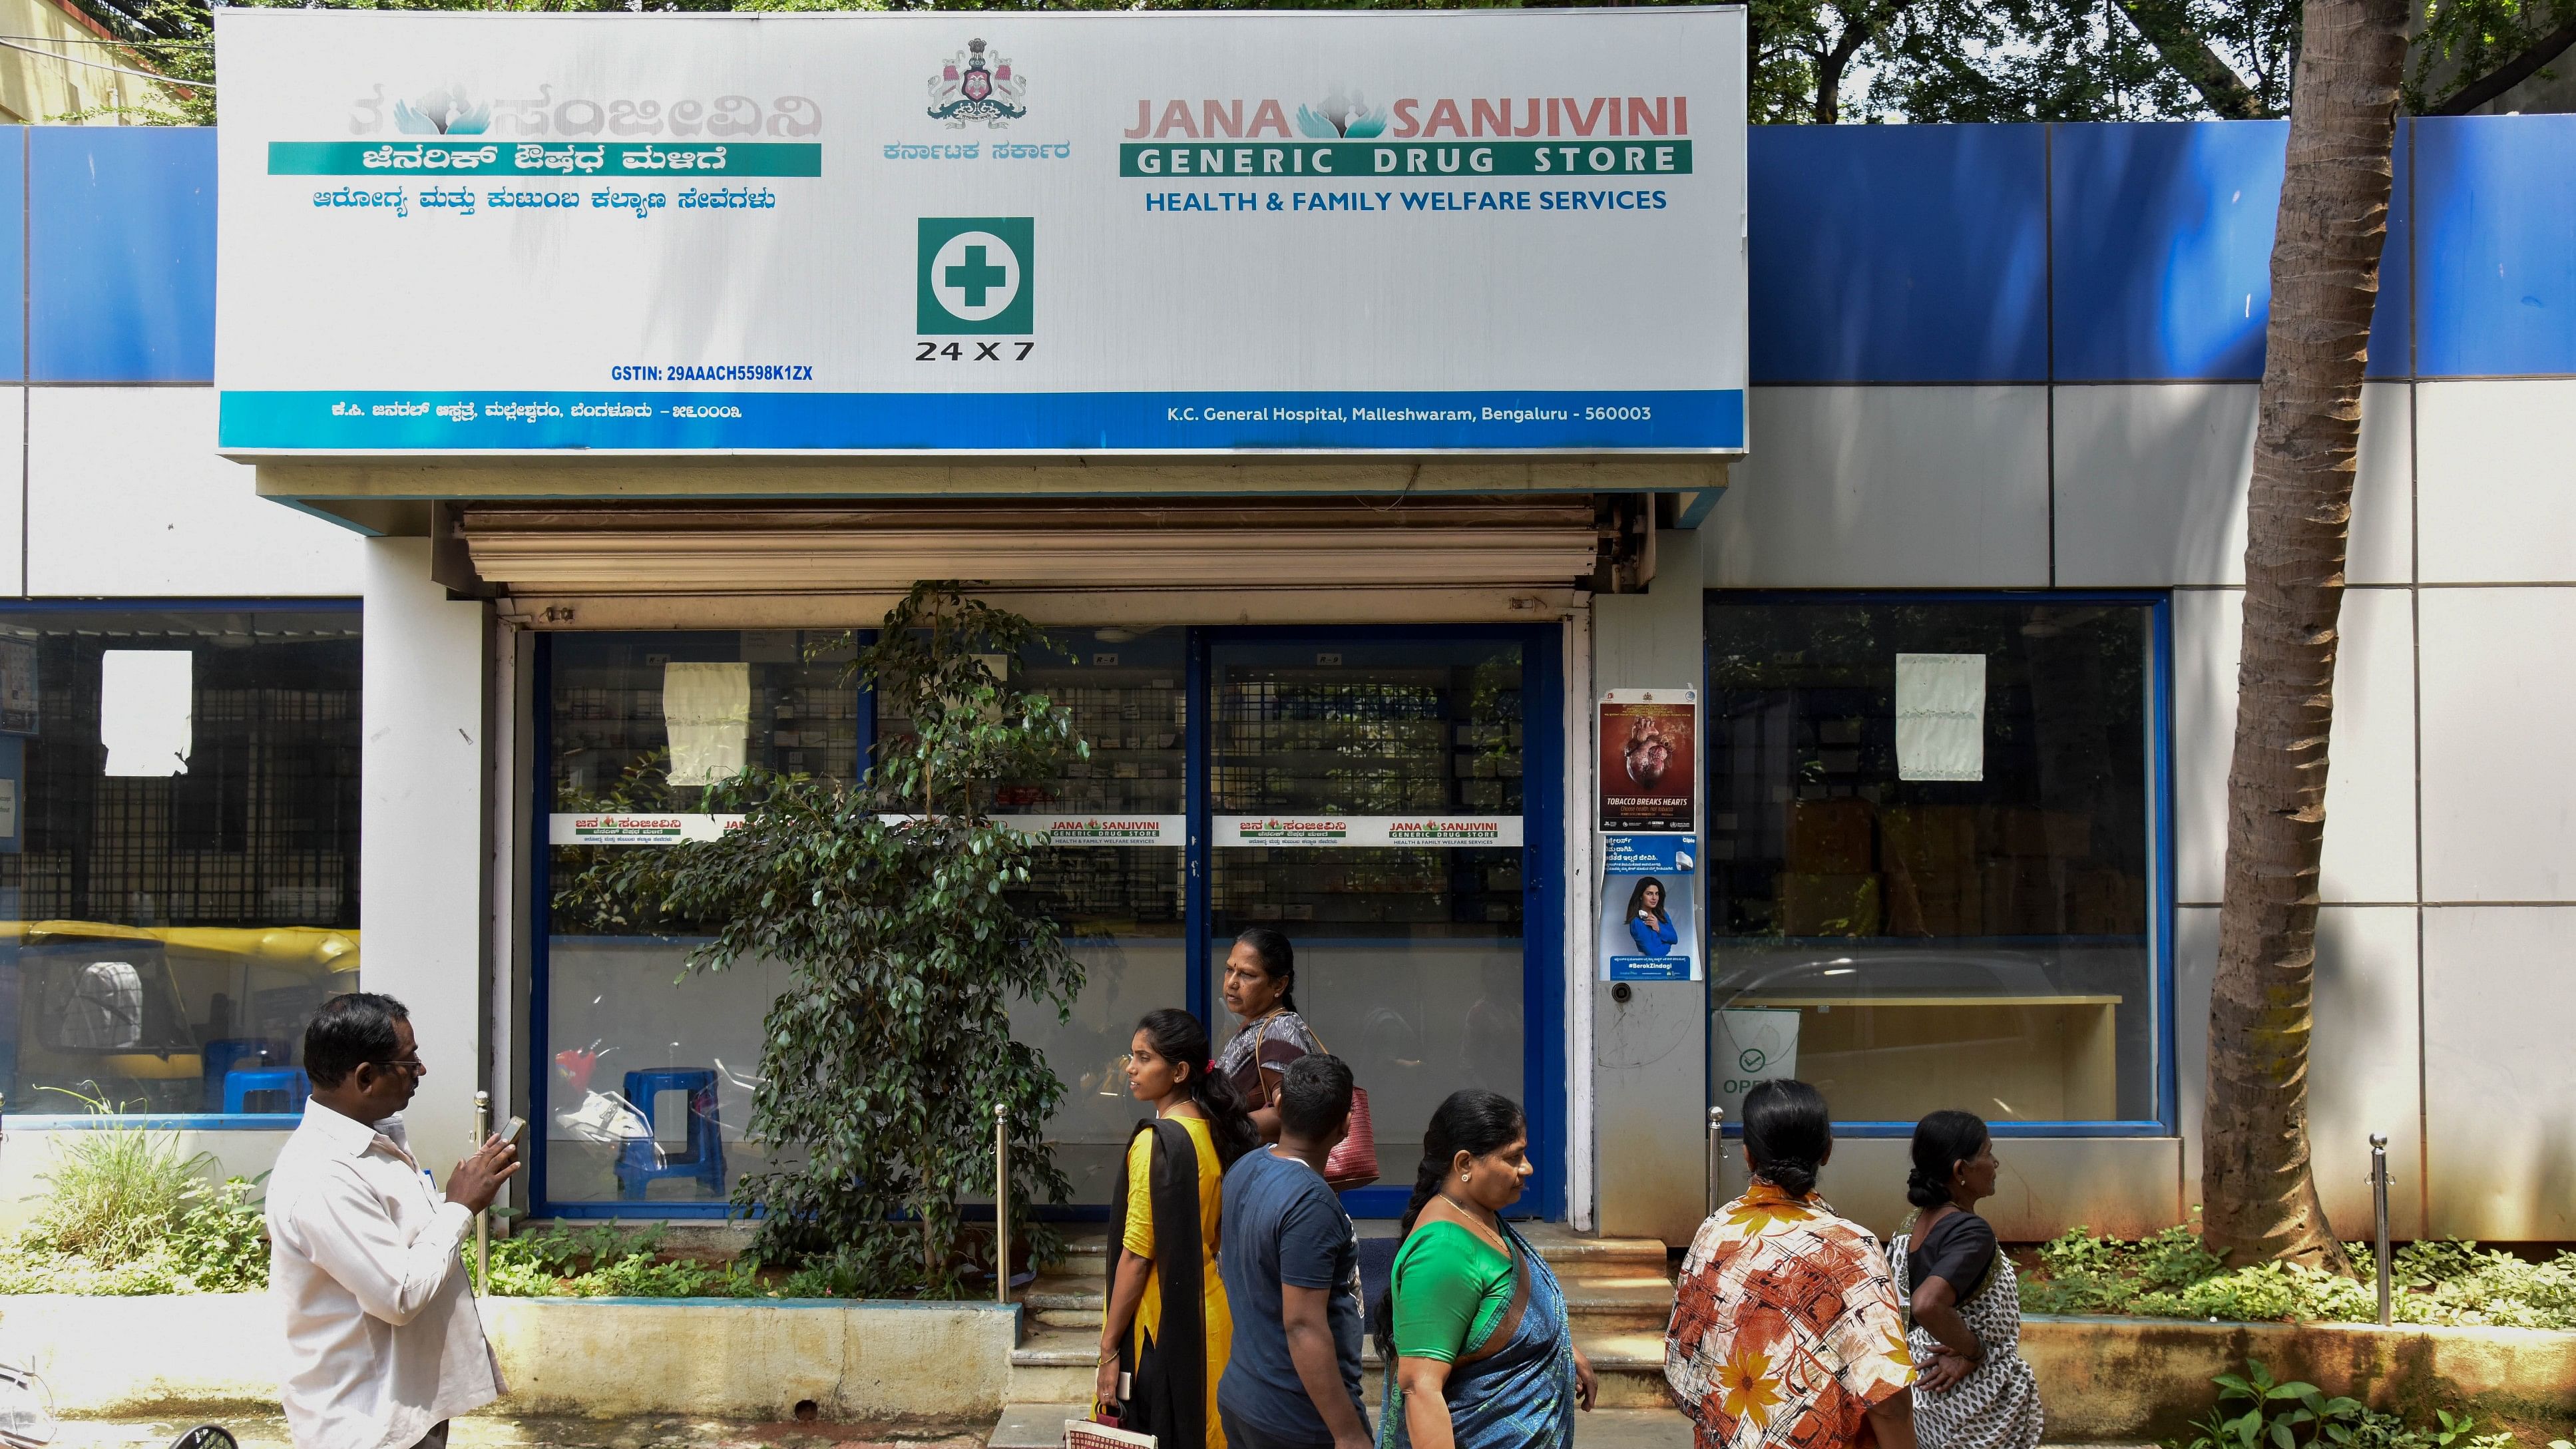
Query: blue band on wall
{"x":1187,"y":422}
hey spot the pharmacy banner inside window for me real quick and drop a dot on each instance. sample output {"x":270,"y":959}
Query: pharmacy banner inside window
{"x":1936,"y":855}
{"x":1360,"y":791}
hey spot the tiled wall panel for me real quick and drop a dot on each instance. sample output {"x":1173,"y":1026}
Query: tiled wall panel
{"x":1887,"y":487}
{"x":121,"y":264}
{"x":2151,"y":485}
{"x":128,"y":500}
{"x":2500,"y":1084}
{"x":2361,"y":1073}
{"x":2498,"y":479}
{"x":2499,"y":779}
{"x":2370,"y":771}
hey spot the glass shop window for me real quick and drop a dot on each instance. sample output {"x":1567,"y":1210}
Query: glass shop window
{"x":178,"y":853}
{"x":649,"y":1071}
{"x":1930,"y":839}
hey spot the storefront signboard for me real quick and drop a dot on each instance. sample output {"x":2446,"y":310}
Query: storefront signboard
{"x":1370,"y":831}
{"x":1649,"y":766}
{"x":1649,"y":908}
{"x":940,"y":233}
{"x":674,"y":829}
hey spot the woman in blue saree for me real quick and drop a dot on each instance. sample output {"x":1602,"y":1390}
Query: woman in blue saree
{"x":1472,"y":1321}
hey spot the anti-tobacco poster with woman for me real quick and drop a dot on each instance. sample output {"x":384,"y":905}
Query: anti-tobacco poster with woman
{"x":1649,"y":909}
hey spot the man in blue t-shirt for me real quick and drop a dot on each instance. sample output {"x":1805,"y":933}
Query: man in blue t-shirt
{"x":1292,"y":1274}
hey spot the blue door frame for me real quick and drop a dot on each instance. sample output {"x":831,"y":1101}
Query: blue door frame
{"x":1543,"y":771}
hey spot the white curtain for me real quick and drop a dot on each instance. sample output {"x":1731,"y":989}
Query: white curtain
{"x":707,"y":709}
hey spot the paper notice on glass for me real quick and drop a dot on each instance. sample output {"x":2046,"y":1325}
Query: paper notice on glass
{"x":147,"y":711}
{"x":1940,"y":716}
{"x":1754,"y":1045}
{"x":707,"y":709}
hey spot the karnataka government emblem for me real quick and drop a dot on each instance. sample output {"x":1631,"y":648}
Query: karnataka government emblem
{"x":966,"y":89}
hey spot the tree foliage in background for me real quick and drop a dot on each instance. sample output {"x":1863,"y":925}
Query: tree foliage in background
{"x":1822,"y":61}
{"x":899,"y":908}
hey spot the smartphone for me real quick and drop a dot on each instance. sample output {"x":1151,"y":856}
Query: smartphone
{"x":511,"y":1130}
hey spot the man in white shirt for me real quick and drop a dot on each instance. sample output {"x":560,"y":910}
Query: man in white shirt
{"x":383,"y":1343}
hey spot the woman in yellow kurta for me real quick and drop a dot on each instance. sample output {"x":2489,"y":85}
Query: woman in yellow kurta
{"x":1171,"y":1347}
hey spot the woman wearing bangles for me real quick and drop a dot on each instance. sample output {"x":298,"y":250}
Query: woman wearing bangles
{"x":1472,"y":1321}
{"x":1972,"y":1389}
{"x":1167,"y":1328}
{"x":1260,"y":986}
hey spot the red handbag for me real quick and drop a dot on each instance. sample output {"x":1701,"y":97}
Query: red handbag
{"x":1354,"y":1160}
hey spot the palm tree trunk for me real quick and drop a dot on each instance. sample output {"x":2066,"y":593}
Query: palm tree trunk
{"x":2258,"y":1193}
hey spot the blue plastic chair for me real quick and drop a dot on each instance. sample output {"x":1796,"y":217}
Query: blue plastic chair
{"x":223,"y":1054}
{"x":703,"y":1156}
{"x":239,"y":1085}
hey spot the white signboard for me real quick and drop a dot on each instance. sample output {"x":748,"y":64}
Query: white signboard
{"x":998,"y":233}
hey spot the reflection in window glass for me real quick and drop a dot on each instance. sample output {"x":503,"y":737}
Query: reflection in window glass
{"x":650,"y":1072}
{"x":178,"y":852}
{"x":1953,"y":899}
{"x":1121,"y":908}
{"x":1409,"y":960}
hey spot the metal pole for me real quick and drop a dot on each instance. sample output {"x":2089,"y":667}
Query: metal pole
{"x":1001,"y":1204}
{"x":1716,"y":1127}
{"x":482,"y":1220}
{"x":2379,"y":1215}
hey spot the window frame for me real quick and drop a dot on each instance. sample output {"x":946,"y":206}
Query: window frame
{"x":193,"y":1121}
{"x":2161,"y":911}
{"x":1546,"y":1087}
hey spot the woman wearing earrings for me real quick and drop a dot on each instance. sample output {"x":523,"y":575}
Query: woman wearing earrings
{"x":1472,"y":1320}
{"x":1972,"y":1390}
{"x":1167,"y":1328}
{"x":1649,"y":924}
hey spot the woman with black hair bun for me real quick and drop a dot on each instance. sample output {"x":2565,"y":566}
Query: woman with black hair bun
{"x":1167,"y":1329}
{"x":1473,"y":1326}
{"x":1775,"y":1288}
{"x":1973,"y":1391}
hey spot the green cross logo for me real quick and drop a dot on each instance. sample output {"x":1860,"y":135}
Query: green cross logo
{"x":975,"y":275}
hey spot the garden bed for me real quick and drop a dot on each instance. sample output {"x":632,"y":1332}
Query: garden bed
{"x":2442,"y":1283}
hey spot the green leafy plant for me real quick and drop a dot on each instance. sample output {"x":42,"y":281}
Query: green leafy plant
{"x":2257,"y":1412}
{"x":899,"y":907}
{"x":115,"y":1193}
{"x":2171,"y":1275}
{"x":126,"y":1211}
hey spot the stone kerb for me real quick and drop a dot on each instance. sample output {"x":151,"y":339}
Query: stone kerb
{"x":721,"y":1358}
{"x":2128,"y":1380}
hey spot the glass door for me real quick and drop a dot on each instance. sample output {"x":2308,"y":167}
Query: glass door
{"x":1370,"y":795}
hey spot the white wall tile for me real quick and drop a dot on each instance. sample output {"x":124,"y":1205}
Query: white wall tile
{"x":2499,"y":778}
{"x":2499,"y":481}
{"x":2151,"y":485}
{"x":2370,"y":771}
{"x":13,"y":490}
{"x":126,"y":498}
{"x":2500,"y":1083}
{"x":1886,"y":487}
{"x":2362,"y":1063}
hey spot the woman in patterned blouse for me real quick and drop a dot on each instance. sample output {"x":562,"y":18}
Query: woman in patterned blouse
{"x":1785,"y":1331}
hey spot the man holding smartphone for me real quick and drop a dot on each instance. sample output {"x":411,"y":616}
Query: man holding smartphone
{"x":384,"y":1345}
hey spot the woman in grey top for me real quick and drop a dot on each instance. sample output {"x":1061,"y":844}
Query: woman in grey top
{"x":1261,"y":988}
